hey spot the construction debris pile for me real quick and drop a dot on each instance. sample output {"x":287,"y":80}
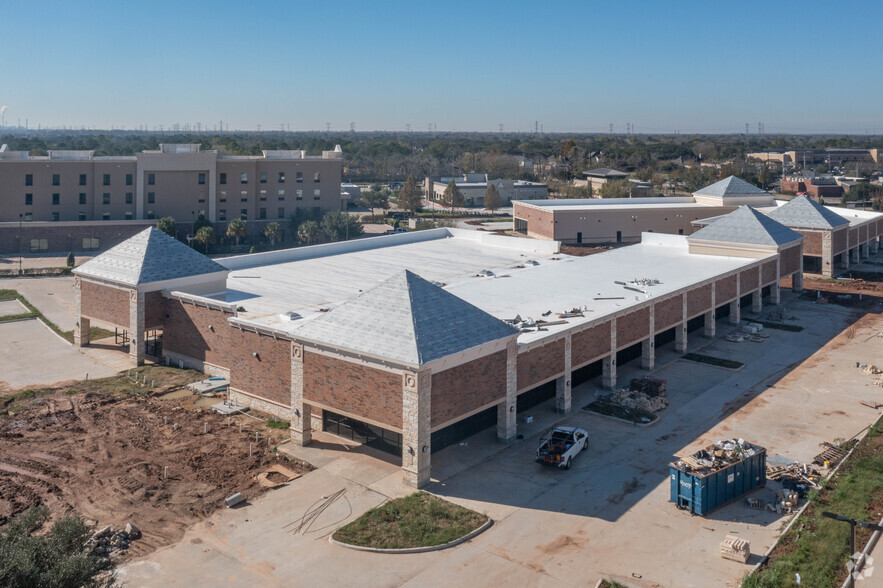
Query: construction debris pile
{"x":106,"y":542}
{"x":647,"y":394}
{"x":871,"y":370}
{"x":833,"y":453}
{"x":529,"y":324}
{"x":717,"y":456}
{"x":750,"y":332}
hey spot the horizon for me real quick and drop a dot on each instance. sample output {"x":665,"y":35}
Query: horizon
{"x":642,"y":68}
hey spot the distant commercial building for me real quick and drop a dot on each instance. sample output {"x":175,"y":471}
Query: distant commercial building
{"x":813,"y":186}
{"x":350,"y":192}
{"x":597,"y":178}
{"x":835,"y":157}
{"x":102,"y":200}
{"x":474,"y":186}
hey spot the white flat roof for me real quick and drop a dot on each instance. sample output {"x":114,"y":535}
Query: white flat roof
{"x":597,"y":204}
{"x":557,"y":283}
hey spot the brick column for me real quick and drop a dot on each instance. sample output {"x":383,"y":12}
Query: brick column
{"x":863,"y":252}
{"x":775,"y":296}
{"x":648,"y":348}
{"x":757,"y":301}
{"x":81,"y":330}
{"x":563,"y":397}
{"x":853,"y":255}
{"x":136,"y":328}
{"x":681,"y":329}
{"x":506,"y":417}
{"x":797,"y":277}
{"x":301,"y":430}
{"x":710,"y":316}
{"x":608,"y":364}
{"x":872,"y":246}
{"x":416,"y":449}
{"x":735,"y":308}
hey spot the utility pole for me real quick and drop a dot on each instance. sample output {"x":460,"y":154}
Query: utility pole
{"x":611,"y":128}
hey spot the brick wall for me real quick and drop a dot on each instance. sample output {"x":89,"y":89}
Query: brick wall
{"x":699,"y":300}
{"x":154,"y":310}
{"x":769,"y":272}
{"x":748,"y":281}
{"x":668,"y":313}
{"x":632,"y":327}
{"x":67,"y":237}
{"x":853,"y":237}
{"x":812,"y":242}
{"x":725,"y":290}
{"x":540,"y":363}
{"x":790,"y":261}
{"x":540,"y":223}
{"x":838,"y":241}
{"x":269,"y":374}
{"x":351,"y":387}
{"x":105,"y":303}
{"x":464,"y":388}
{"x":589,"y":344}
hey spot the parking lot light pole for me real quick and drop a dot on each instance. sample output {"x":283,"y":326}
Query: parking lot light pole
{"x":852,"y":524}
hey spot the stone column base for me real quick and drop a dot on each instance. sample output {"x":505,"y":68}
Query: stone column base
{"x":797,"y":282}
{"x":681,"y":338}
{"x":301,"y":426}
{"x":648,"y":354}
{"x":506,"y":421}
{"x":710,"y":325}
{"x":756,"y":301}
{"x":735,"y":312}
{"x":608,"y":375}
{"x":82,"y":332}
{"x":775,"y":294}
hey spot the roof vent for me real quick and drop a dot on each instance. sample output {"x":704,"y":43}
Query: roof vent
{"x":289,"y":316}
{"x":486,"y":273}
{"x":532,"y":262}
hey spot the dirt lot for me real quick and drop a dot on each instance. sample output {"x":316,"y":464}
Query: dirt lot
{"x":103,"y":455}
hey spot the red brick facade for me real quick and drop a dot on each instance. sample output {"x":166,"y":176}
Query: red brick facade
{"x":812,"y":242}
{"x":769,"y":272}
{"x":725,"y":290}
{"x":540,"y":364}
{"x":748,"y":281}
{"x":105,"y":303}
{"x":540,"y":223}
{"x":632,"y":327}
{"x":354,"y":388}
{"x":790,"y":261}
{"x":838,"y":241}
{"x":699,"y":301}
{"x":465,"y":388}
{"x":589,"y":345}
{"x":154,"y":310}
{"x":668,"y":313}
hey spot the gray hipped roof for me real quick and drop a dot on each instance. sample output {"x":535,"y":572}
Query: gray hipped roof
{"x":746,"y":225}
{"x":405,"y":319}
{"x":803,"y":212}
{"x":731,"y":187}
{"x":149,"y":256}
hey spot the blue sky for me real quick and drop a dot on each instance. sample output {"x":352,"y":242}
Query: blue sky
{"x":686,"y":66}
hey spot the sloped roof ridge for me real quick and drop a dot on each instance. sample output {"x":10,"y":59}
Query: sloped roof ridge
{"x":804,"y":212}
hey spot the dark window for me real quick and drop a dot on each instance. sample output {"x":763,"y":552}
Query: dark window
{"x":316,"y":177}
{"x":128,"y":216}
{"x":151,"y":179}
{"x":222,"y":214}
{"x":82,"y":198}
{"x":151,"y":197}
{"x":299,"y":195}
{"x":317,"y":194}
{"x":150,"y":214}
{"x":129,"y":197}
{"x":223,"y":197}
{"x":81,"y":216}
{"x":56,"y":179}
{"x":280,"y":212}
{"x":55,"y":216}
{"x":263,"y":196}
{"x":243,"y":214}
{"x":281,"y":177}
{"x":298,"y":177}
{"x":223,"y":179}
{"x":29,"y":199}
{"x":56,"y":199}
{"x":39,"y":244}
{"x":263,"y":177}
{"x":262,"y":213}
{"x":82,"y":179}
{"x":105,"y":199}
{"x":105,"y":216}
{"x":29,"y":217}
{"x":243,"y":196}
{"x":371,"y":435}
{"x":201,"y":179}
{"x":281,"y":194}
{"x":129,"y":179}
{"x":243,"y":178}
{"x":90,"y":243}
{"x":29,"y":179}
{"x":105,"y":181}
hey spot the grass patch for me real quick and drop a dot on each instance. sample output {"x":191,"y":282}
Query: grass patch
{"x":818,"y":548}
{"x":780,"y":326}
{"x":605,"y":407}
{"x":716,"y":361}
{"x":95,"y":333}
{"x":417,"y":520}
{"x":274,"y":424}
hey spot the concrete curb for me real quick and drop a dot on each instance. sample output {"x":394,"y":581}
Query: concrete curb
{"x":487,"y":524}
{"x":632,"y":423}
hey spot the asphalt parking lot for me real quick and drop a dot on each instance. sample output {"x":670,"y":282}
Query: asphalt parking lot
{"x":609,"y":516}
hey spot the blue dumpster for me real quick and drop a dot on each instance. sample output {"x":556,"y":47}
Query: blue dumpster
{"x":702,"y":490}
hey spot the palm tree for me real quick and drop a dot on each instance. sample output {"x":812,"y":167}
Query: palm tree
{"x":206,"y":236}
{"x":236,"y":228}
{"x":272,"y":232}
{"x":308,"y":232}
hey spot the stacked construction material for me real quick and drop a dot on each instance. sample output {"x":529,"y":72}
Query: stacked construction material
{"x":633,"y":399}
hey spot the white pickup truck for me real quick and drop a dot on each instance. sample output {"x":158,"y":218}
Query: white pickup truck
{"x":562,"y":445}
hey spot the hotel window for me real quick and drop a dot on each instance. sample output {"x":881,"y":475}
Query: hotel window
{"x":201,"y":215}
{"x":29,"y":199}
{"x":151,"y":197}
{"x":151,"y":179}
{"x":29,"y":179}
{"x":263,"y":177}
{"x":317,"y":194}
{"x":300,"y":195}
{"x":316,"y":177}
{"x":55,"y":217}
{"x":105,"y":198}
{"x":281,"y":177}
{"x":39,"y":245}
{"x":82,"y":198}
{"x":129,"y":179}
{"x":29,"y":217}
{"x":262,"y":213}
{"x":56,"y":179}
{"x":150,"y":215}
{"x":281,"y":194}
{"x":243,"y":196}
{"x":243,"y":214}
{"x":105,"y":216}
{"x":201,"y":197}
{"x":222,"y":214}
{"x":243,"y":178}
{"x":128,"y":216}
{"x":82,"y":179}
{"x":223,"y":197}
{"x":90,"y":243}
{"x":129,"y":197}
{"x":56,"y":199}
{"x":263,"y":195}
{"x":280,"y":213}
{"x":201,"y":178}
{"x":298,"y":177}
{"x":81,"y":216}
{"x":105,"y":181}
{"x":223,"y":179}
